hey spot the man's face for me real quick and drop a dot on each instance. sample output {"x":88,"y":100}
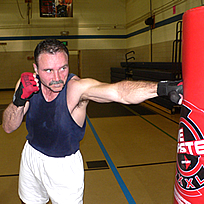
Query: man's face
{"x":53,"y":70}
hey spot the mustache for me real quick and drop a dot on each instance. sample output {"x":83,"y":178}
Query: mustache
{"x":56,"y":82}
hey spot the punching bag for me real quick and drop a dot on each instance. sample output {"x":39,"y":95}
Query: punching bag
{"x":189,"y":179}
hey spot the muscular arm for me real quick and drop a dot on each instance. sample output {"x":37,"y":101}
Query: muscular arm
{"x":134,"y":92}
{"x":127,"y":92}
{"x":12,"y":117}
{"x":80,"y":91}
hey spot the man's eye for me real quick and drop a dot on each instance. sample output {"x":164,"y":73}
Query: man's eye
{"x":48,"y":70}
{"x":63,"y":68}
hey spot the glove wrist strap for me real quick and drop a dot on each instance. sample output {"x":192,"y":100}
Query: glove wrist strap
{"x":17,"y":100}
{"x":161,"y":89}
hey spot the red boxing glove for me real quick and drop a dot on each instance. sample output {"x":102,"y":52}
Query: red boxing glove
{"x":26,"y":88}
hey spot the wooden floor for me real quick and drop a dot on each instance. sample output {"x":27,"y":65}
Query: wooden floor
{"x":129,"y":155}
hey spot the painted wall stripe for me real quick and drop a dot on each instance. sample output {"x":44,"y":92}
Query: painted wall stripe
{"x":143,"y":30}
{"x":112,"y":166}
{"x":169,"y":20}
{"x":64,"y":37}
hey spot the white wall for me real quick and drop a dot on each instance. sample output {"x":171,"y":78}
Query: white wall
{"x":137,"y":11}
{"x":90,"y":17}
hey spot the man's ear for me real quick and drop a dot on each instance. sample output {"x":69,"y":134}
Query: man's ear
{"x":35,"y":68}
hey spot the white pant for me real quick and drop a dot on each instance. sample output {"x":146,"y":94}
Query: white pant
{"x":42,"y":178}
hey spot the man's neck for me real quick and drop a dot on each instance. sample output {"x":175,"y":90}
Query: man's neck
{"x":48,"y":94}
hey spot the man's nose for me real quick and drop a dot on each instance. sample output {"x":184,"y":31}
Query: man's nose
{"x":56,"y":76}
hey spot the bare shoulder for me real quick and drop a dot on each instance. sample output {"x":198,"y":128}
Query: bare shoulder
{"x":80,"y":91}
{"x":91,"y":89}
{"x":87,"y":82}
{"x":75,"y":89}
{"x":75,"y":85}
{"x":81,"y":85}
{"x":76,"y":104}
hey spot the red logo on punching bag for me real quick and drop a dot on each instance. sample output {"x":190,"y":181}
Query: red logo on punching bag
{"x":190,"y":158}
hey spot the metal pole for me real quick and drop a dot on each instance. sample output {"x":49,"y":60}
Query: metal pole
{"x":151,"y":31}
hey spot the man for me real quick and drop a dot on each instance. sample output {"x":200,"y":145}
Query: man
{"x":55,"y":102}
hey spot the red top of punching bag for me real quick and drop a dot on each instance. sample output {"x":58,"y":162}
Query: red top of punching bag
{"x":193,"y":56}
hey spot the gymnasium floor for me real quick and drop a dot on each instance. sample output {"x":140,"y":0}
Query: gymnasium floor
{"x":129,"y":154}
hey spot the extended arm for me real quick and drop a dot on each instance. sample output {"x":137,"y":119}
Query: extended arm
{"x":134,"y":92}
{"x":127,"y":92}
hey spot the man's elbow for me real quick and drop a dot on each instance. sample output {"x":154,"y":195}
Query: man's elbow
{"x":7,"y":129}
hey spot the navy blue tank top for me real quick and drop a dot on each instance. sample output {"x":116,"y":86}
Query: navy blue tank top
{"x":51,"y":128}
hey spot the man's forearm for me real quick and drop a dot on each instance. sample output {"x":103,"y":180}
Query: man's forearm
{"x":133,"y":92}
{"x":12,"y":118}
